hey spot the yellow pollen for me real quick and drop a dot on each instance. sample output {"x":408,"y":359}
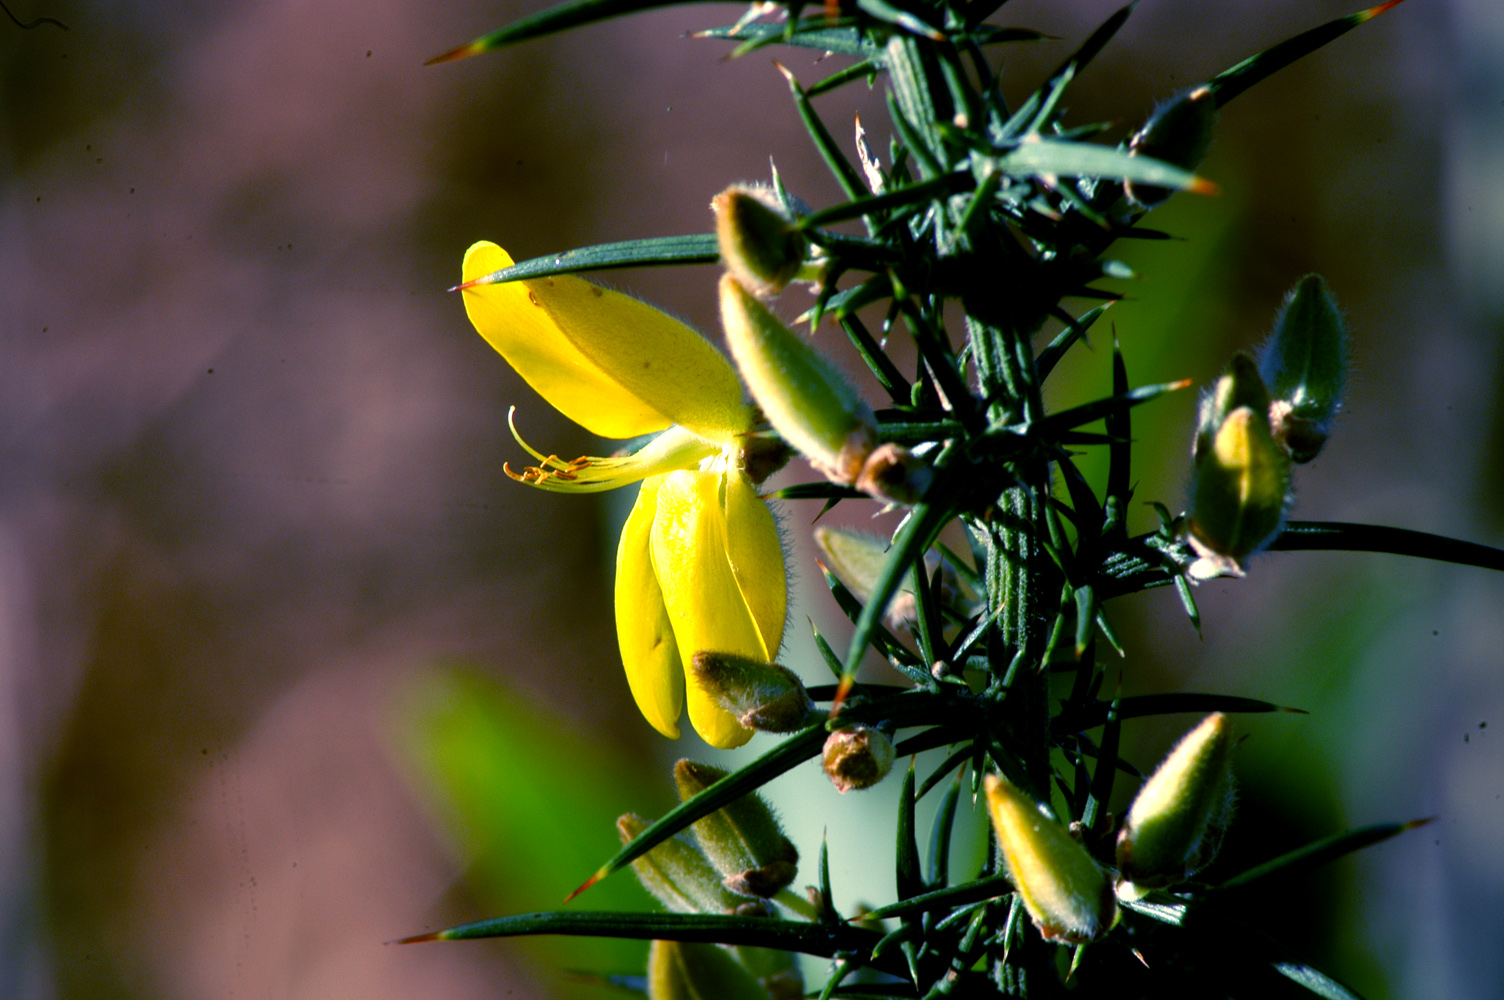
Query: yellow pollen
{"x":552,"y":467}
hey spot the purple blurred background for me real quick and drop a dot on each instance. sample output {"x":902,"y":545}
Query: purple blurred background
{"x":250,"y":453}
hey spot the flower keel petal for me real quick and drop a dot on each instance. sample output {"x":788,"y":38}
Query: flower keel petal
{"x":643,"y":632}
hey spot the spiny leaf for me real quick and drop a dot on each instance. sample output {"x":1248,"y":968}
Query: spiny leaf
{"x":546,"y":22}
{"x":653,"y":252}
{"x":1085,"y":159}
{"x":1233,"y":81}
{"x":1075,"y":718}
{"x":1328,"y":849}
{"x":763,"y":932}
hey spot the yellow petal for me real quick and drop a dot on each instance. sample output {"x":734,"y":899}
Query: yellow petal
{"x":510,"y":318}
{"x":705,"y":604}
{"x":648,"y":652}
{"x":756,"y":558}
{"x":640,"y":362}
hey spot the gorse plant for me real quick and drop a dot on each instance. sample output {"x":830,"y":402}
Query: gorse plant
{"x":978,"y":232}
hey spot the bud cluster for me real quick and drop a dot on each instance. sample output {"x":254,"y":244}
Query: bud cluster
{"x":806,"y":398}
{"x":1262,"y":416}
{"x":731,"y":862}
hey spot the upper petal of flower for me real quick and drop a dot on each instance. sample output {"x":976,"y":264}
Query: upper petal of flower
{"x":610,"y":363}
{"x":700,"y":589}
{"x":643,"y":632}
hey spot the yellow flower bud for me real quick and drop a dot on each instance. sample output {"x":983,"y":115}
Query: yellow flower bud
{"x":804,"y":397}
{"x":1176,"y":822}
{"x":687,"y":970}
{"x":1067,"y":894}
{"x":677,"y":875}
{"x":857,"y":758}
{"x":759,"y":244}
{"x":742,"y":839}
{"x":1240,"y":481}
{"x":767,"y":697}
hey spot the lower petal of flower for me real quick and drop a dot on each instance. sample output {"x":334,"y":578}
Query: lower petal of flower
{"x":756,"y":558}
{"x":704,"y":601}
{"x":646,"y":639}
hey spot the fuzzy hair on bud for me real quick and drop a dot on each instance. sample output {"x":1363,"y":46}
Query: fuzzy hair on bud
{"x":768,"y":697}
{"x":1177,"y":820}
{"x":857,"y":758}
{"x":1179,"y":132}
{"x":742,"y":839}
{"x":1305,"y":366}
{"x":1067,"y":894}
{"x":806,"y":399}
{"x":759,"y":244}
{"x":677,"y":874}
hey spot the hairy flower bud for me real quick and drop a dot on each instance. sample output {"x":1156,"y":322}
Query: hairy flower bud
{"x":688,"y":970}
{"x":742,"y":839}
{"x":768,"y":697}
{"x":677,"y":875}
{"x":1176,"y":822}
{"x":803,"y":396}
{"x":1067,"y":894}
{"x":857,"y":758}
{"x":1304,"y":364}
{"x":1179,"y":132}
{"x":1240,"y":482}
{"x":759,"y":244}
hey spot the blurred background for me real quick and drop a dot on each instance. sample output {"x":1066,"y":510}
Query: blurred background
{"x":289,"y":669}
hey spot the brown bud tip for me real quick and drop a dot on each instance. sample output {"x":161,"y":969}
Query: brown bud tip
{"x":857,"y":758}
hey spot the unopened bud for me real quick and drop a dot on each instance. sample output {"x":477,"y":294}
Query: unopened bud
{"x":893,"y":473}
{"x":1240,"y":481}
{"x":1239,"y":491}
{"x":742,"y":839}
{"x":804,"y":397}
{"x":1241,"y":385}
{"x":1304,"y":364}
{"x":677,"y":875}
{"x":1179,"y":132}
{"x":759,"y":244}
{"x":857,"y":559}
{"x":689,"y":970}
{"x":768,"y":697}
{"x":1067,"y":894}
{"x":857,"y":758}
{"x":1176,"y":822}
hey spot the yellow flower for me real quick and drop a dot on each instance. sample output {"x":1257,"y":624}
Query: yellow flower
{"x":699,"y":566}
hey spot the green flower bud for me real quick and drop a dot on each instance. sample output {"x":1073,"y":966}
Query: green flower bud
{"x":1305,"y":365}
{"x":687,"y":970}
{"x":742,"y":839}
{"x":1067,"y":894}
{"x":759,"y":244}
{"x":857,"y":758}
{"x":1240,"y":480}
{"x":1176,"y":822}
{"x":767,"y":697}
{"x":677,"y":874}
{"x":804,"y":397}
{"x":1179,"y":132}
{"x":857,"y":559}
